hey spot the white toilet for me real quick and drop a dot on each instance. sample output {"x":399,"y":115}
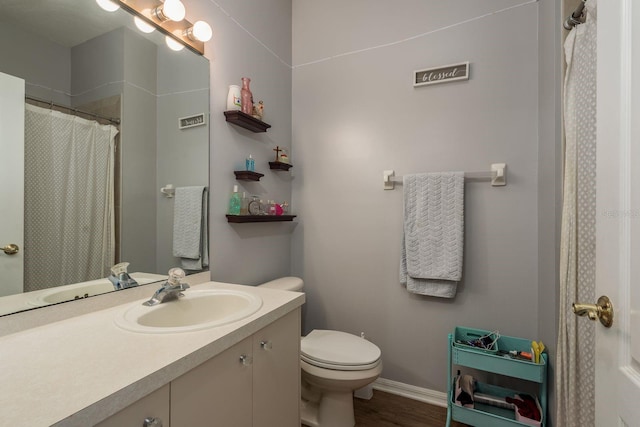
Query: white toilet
{"x":334,"y":364}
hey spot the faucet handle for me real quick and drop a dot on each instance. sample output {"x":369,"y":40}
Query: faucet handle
{"x":120,"y":268}
{"x":175,"y":276}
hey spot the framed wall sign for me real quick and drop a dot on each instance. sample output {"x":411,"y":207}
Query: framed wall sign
{"x":447,"y":73}
{"x":191,"y":121}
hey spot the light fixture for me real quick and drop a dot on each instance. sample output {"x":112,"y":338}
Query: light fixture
{"x":108,"y":5}
{"x":200,"y":31}
{"x":168,"y":17}
{"x":171,"y":10}
{"x":173,"y":44}
{"x":143,"y":25}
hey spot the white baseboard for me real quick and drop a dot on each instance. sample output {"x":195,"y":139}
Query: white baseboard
{"x":412,"y":392}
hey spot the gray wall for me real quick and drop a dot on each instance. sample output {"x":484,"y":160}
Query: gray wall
{"x":251,"y":39}
{"x":123,"y":62}
{"x":97,"y":68}
{"x":45,"y":65}
{"x":182,"y":157}
{"x":549,"y":180}
{"x":355,"y":113}
{"x":139,"y":150}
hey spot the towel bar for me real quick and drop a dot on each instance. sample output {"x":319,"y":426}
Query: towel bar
{"x":497,"y":175}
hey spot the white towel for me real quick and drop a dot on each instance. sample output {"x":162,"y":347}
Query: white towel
{"x":433,"y":234}
{"x":190,"y":232}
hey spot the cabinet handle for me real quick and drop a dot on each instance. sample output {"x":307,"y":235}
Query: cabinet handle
{"x":266,"y":345}
{"x":152,"y":422}
{"x":246,"y":359}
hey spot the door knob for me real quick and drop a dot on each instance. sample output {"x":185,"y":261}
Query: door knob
{"x":11,"y":249}
{"x":603,"y":310}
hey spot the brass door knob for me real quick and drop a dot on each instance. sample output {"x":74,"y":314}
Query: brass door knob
{"x":603,"y":310}
{"x":11,"y":249}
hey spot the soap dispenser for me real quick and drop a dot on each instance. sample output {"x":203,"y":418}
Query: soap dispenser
{"x":235,"y":202}
{"x":250,"y":164}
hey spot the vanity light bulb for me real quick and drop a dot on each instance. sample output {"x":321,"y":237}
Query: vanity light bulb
{"x":174,"y":10}
{"x":173,"y":45}
{"x":202,"y":31}
{"x":143,"y":26}
{"x":108,"y":5}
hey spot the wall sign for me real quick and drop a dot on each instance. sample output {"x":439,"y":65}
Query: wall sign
{"x":191,"y":121}
{"x":447,"y":73}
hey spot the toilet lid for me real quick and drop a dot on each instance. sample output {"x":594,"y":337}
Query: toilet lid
{"x":338,"y":350}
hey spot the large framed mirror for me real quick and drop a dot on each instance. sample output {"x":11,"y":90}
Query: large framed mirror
{"x":86,"y":210}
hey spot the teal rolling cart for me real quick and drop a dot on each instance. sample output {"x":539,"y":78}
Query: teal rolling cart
{"x":491,"y":361}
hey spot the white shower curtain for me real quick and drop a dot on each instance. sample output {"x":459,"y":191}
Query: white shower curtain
{"x":69,"y":199}
{"x":575,"y":357}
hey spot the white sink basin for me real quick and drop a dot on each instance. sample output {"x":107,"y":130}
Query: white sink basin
{"x":196,"y":310}
{"x":84,"y":289}
{"x":75,"y":292}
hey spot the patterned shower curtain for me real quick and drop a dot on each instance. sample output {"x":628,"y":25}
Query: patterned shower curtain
{"x":575,"y":359}
{"x":69,"y":199}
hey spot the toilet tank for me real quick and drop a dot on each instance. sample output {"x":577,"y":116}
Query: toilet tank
{"x":290,"y":283}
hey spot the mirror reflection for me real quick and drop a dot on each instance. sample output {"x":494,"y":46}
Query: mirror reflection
{"x":102,"y":135}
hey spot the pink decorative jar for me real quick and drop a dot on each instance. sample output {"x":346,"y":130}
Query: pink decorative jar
{"x":246,"y":96}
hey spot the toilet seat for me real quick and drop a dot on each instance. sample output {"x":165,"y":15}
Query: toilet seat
{"x":339,"y":351}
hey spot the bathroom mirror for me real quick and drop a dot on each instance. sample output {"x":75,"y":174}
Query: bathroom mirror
{"x":72,"y":53}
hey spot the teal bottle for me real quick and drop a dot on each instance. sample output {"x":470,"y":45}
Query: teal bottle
{"x":235,"y":202}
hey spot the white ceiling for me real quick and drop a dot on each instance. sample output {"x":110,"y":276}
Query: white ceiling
{"x":66,"y":22}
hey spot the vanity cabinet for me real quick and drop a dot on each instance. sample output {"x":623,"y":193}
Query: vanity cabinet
{"x":276,"y":373}
{"x":254,"y":383}
{"x":155,"y":405}
{"x":216,"y":393}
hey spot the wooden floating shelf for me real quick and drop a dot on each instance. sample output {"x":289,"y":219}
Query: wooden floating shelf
{"x":280,"y":166}
{"x":246,"y":121}
{"x":259,"y":218}
{"x":248,"y":175}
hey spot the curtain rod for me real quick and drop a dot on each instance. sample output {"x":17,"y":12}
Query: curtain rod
{"x":52,"y":104}
{"x":574,"y":18}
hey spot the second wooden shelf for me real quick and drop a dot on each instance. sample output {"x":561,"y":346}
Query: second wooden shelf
{"x":259,"y":218}
{"x":248,"y":175}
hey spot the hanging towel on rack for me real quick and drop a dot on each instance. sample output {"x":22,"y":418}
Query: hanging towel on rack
{"x":433,"y":234}
{"x":190,"y":233}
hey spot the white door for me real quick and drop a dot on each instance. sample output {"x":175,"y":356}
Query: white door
{"x":12,"y":183}
{"x":618,"y":212}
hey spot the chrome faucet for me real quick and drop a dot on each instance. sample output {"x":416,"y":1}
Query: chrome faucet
{"x":171,"y":289}
{"x":120,"y":278}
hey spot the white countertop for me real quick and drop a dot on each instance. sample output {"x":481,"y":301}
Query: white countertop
{"x":79,"y":371}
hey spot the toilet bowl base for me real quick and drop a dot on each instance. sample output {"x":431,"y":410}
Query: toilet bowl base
{"x":335,"y":409}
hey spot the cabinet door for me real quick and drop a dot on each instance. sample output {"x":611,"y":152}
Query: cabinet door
{"x":276,"y":373}
{"x":154,"y":405}
{"x":216,"y":393}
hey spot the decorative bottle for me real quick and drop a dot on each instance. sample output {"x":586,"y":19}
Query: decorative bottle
{"x":235,"y":202}
{"x":246,"y":96}
{"x":244,"y":207}
{"x":233,"y":98}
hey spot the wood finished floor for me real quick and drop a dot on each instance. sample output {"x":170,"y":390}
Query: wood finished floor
{"x":390,"y":410}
